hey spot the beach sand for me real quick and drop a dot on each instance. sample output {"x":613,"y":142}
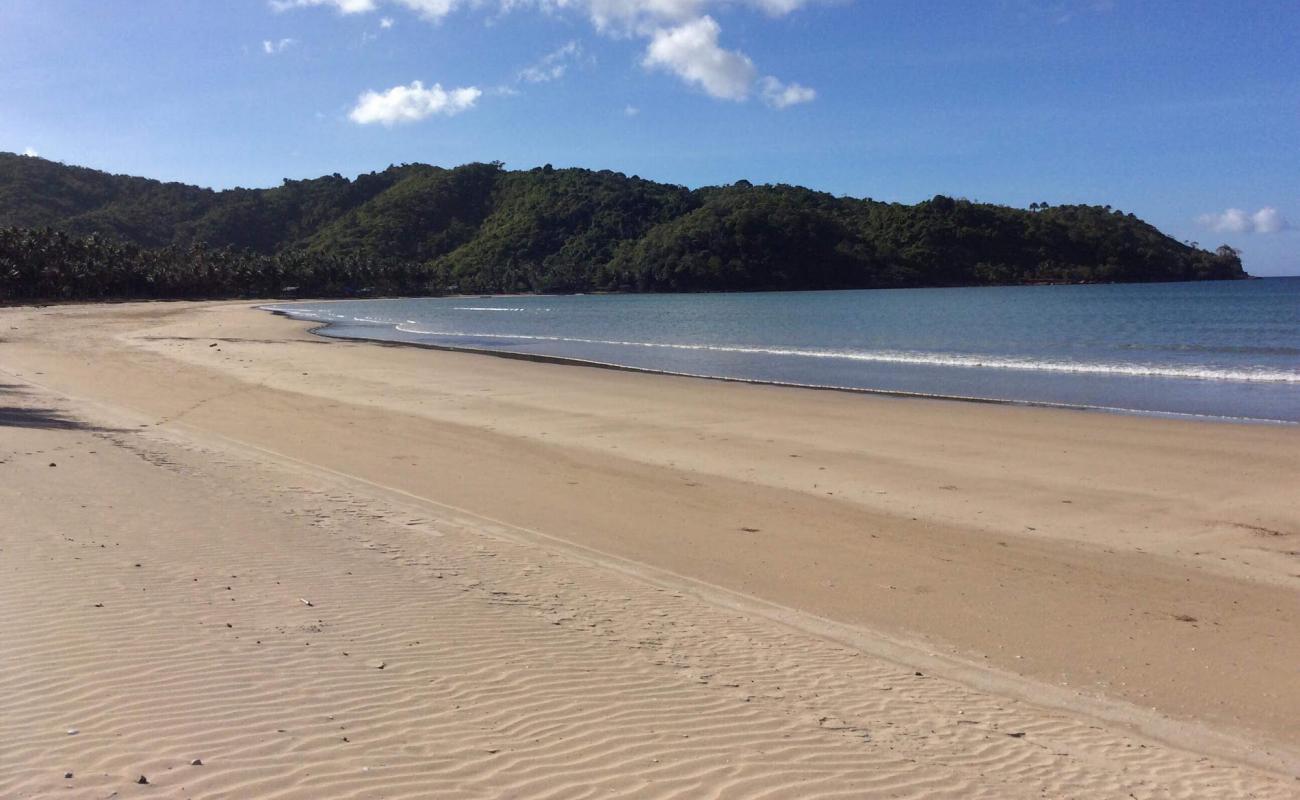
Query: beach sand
{"x":340,"y":569}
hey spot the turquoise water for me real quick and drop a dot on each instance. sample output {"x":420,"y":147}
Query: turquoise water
{"x":1223,"y":349}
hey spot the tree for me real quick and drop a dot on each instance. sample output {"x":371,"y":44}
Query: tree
{"x":414,"y":229}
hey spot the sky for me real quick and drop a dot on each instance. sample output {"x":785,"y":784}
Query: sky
{"x":1185,"y":113}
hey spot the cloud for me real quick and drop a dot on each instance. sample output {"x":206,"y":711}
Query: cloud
{"x":342,"y":6}
{"x":639,"y":16}
{"x":779,"y":8}
{"x":432,"y":10}
{"x":1235,"y":220}
{"x":385,"y":22}
{"x":1268,"y":220}
{"x":634,"y":16}
{"x":691,"y":51}
{"x":412,"y":103}
{"x":553,"y":65}
{"x":631,"y":111}
{"x":30,"y":153}
{"x":783,"y":95}
{"x":275,"y":47}
{"x":682,"y":37}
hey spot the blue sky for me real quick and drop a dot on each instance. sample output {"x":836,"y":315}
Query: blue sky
{"x":1185,"y":113}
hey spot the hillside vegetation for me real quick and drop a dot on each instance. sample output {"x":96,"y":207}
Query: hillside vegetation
{"x":75,"y":233}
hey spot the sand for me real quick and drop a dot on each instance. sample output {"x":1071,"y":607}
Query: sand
{"x":379,"y":571}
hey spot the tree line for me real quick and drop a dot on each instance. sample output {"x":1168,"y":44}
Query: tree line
{"x":74,"y":233}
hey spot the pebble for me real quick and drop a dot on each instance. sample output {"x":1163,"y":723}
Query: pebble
{"x":73,"y":731}
{"x":143,"y":781}
{"x":198,"y":762}
{"x":67,"y":776}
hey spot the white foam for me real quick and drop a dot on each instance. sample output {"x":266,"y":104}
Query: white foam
{"x":495,"y":308}
{"x":963,"y":360}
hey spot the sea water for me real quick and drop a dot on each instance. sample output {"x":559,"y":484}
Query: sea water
{"x":1220,"y":349}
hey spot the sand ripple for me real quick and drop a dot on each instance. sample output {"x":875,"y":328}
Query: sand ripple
{"x":509,"y":668}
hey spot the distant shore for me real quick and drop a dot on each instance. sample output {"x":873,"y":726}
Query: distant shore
{"x":329,"y":567}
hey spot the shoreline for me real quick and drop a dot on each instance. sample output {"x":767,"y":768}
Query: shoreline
{"x":321,"y":330}
{"x":1127,"y":572}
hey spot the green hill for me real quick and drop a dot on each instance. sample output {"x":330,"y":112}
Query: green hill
{"x":71,"y":232}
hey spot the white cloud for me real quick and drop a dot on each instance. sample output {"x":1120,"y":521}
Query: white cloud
{"x":1269,"y":220}
{"x":682,"y":37}
{"x":783,"y":95}
{"x":385,"y":22}
{"x":412,"y":103}
{"x":625,"y":16}
{"x":553,"y":65}
{"x":30,"y":153}
{"x":779,"y":8}
{"x":428,"y":9}
{"x":628,"y":16}
{"x":432,"y":10}
{"x":342,"y":6}
{"x":631,"y":111}
{"x":274,"y":47}
{"x":1235,"y":220}
{"x":639,"y":16}
{"x":691,"y":51}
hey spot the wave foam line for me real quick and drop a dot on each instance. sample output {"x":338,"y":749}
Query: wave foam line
{"x":922,"y":359}
{"x":492,"y":308}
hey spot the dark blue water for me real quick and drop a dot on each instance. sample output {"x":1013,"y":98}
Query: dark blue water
{"x":1224,"y":349}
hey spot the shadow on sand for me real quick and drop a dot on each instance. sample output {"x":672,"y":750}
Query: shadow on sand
{"x":38,"y":417}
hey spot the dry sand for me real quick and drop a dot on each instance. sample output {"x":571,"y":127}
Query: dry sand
{"x":584,"y":583}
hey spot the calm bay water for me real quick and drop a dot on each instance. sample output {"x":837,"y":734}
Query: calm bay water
{"x":1224,"y":349}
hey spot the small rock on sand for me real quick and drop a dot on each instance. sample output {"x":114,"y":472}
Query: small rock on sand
{"x":143,"y":781}
{"x":198,"y":762}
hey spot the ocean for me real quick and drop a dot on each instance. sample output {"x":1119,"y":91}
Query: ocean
{"x":1228,"y":350}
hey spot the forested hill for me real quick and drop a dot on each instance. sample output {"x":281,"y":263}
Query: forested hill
{"x":416,"y":229}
